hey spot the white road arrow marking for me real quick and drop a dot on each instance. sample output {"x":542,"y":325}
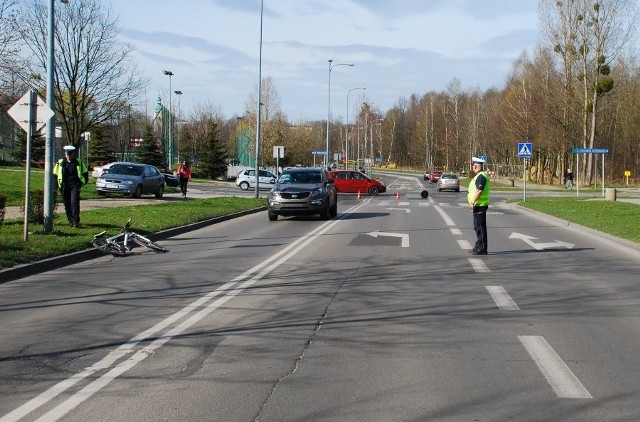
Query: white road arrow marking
{"x":404,"y":237}
{"x":407,"y":210}
{"x":540,"y":246}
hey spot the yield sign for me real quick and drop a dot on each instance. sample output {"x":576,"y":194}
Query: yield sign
{"x":20,"y":112}
{"x":524,"y":149}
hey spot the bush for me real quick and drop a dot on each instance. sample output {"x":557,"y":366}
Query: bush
{"x":36,"y":205}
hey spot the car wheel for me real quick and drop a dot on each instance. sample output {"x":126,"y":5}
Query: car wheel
{"x":325,"y":214}
{"x":272,"y":216}
{"x":138,"y":192}
{"x":244,"y":185}
{"x":373,"y":191}
{"x":160,"y":192}
{"x":333,"y":211}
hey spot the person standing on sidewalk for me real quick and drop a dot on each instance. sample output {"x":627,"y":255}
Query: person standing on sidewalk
{"x":478,"y":198}
{"x":184,"y":173}
{"x":568,"y":177}
{"x":71,"y":174}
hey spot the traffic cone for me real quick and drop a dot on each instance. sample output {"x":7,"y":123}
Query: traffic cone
{"x":359,"y":195}
{"x":398,"y":195}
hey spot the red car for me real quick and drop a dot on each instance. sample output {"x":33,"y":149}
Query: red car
{"x":434,"y":175}
{"x":351,"y":181}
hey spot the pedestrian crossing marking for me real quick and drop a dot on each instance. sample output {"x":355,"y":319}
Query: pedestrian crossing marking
{"x":524,"y":149}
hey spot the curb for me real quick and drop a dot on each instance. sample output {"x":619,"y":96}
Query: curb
{"x":24,"y":270}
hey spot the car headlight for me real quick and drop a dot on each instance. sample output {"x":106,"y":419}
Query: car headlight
{"x":317,"y":191}
{"x":127,"y":182}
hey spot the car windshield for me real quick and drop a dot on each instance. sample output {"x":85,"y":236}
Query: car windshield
{"x":301,"y":177}
{"x":126,"y":170}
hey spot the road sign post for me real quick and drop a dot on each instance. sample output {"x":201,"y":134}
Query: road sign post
{"x":577,"y":151}
{"x":524,"y":151}
{"x":25,"y":113}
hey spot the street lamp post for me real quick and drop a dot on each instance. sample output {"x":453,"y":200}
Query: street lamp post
{"x":49,"y":147}
{"x":170,"y":74}
{"x":326,"y":157}
{"x":179,"y":94}
{"x":259,"y":119}
{"x":346,"y":153}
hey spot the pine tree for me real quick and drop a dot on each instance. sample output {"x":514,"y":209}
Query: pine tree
{"x":150,"y":150}
{"x":100,"y":151}
{"x":213,"y":160}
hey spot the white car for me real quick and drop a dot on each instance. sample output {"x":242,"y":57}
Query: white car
{"x":247,"y":179}
{"x":100,"y":170}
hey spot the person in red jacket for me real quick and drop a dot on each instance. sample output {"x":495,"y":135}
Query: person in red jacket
{"x":184,"y":173}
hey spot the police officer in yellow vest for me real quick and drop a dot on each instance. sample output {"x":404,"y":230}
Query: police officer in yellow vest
{"x":71,"y":174}
{"x":478,"y":198}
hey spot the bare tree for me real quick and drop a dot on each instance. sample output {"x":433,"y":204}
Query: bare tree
{"x":94,"y":76}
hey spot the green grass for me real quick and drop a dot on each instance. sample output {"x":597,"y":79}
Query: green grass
{"x":620,"y":219}
{"x":144,"y":219}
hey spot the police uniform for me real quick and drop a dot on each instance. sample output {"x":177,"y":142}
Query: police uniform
{"x":71,"y":175}
{"x":478,"y":198}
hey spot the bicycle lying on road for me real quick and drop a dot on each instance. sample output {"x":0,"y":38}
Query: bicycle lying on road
{"x":120,"y":244}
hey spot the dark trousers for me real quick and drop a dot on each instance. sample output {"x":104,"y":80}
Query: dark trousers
{"x":183,"y":184}
{"x":71,"y":198}
{"x":480,"y":226}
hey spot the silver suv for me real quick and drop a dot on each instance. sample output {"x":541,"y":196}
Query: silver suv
{"x":303,"y":191}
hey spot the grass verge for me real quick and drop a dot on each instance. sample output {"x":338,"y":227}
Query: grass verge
{"x":145,"y":219}
{"x":619,"y":219}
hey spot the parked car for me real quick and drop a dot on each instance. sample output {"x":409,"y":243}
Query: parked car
{"x":448,"y":181}
{"x":171,"y":179}
{"x":351,"y":181}
{"x":303,"y":191}
{"x":131,"y":179}
{"x":247,"y":179}
{"x":100,"y":170}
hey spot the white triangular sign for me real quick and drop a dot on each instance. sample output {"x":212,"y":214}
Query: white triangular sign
{"x":524,"y":150}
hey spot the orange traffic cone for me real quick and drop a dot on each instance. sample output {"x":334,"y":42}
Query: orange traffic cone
{"x":397,"y":195}
{"x":359,"y":195}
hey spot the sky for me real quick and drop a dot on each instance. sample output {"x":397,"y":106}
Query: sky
{"x":398,"y":47}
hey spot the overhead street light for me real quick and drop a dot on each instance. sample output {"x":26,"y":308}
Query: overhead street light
{"x":170,"y":74}
{"x":326,"y":157}
{"x":49,"y":146}
{"x":346,"y":153}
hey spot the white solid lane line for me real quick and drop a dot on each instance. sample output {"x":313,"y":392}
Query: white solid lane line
{"x":502,"y":299}
{"x":564,"y":383}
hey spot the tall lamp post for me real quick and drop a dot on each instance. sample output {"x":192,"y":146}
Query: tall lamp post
{"x":257,"y":168}
{"x":179,"y":94}
{"x":49,"y":147}
{"x":326,"y":157}
{"x":170,"y":74}
{"x":346,"y":131}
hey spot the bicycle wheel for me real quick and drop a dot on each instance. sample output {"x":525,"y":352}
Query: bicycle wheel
{"x":110,"y":248}
{"x":143,"y":241}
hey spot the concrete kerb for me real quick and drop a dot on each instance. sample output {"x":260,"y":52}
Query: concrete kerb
{"x":48,"y":264}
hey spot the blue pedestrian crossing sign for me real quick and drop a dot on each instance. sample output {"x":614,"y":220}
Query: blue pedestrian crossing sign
{"x":524,"y":149}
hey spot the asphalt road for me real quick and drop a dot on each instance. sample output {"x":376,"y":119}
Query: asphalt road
{"x":378,"y":315}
